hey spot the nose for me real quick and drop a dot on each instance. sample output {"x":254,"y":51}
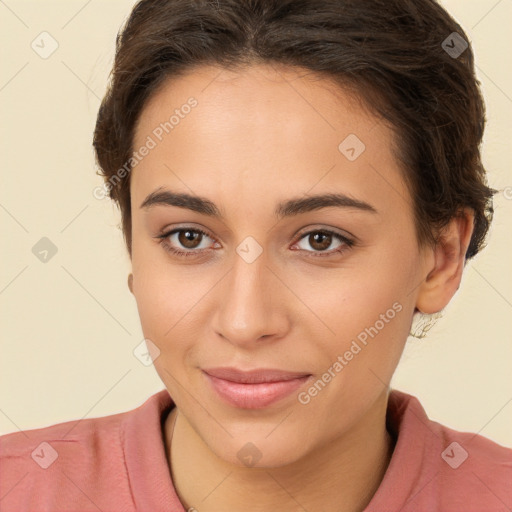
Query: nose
{"x":251,"y":304}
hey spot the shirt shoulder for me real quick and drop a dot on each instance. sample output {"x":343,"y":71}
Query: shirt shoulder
{"x":75,"y":464}
{"x":474,"y":472}
{"x":435,"y":467}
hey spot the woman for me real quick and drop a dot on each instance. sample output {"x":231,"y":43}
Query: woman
{"x":298,"y":180}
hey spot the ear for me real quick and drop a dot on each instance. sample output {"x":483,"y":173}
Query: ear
{"x":130,"y":282}
{"x":449,"y":255}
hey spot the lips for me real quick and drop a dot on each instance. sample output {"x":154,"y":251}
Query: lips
{"x":254,"y":389}
{"x":257,"y":376}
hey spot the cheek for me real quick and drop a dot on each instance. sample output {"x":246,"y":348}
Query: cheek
{"x":158,"y":287}
{"x":169,"y":300}
{"x":371,"y":327}
{"x":164,"y":321}
{"x":353,"y":299}
{"x":370,"y":321}
{"x":368,"y":309}
{"x":164,"y":310}
{"x":158,"y":296}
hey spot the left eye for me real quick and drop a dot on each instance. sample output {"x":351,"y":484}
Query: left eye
{"x":321,"y":240}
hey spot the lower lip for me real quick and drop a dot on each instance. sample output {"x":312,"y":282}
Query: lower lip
{"x":255,"y":396}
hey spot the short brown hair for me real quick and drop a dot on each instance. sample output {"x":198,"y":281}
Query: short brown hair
{"x":393,"y":54}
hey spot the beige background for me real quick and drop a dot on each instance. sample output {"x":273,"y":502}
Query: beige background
{"x":69,"y":326}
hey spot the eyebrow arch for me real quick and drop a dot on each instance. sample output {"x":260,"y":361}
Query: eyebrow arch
{"x":291,"y":207}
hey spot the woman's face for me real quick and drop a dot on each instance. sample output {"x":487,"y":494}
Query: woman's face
{"x":279,"y":280}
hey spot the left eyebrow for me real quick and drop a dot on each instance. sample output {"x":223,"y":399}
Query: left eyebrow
{"x":307,"y":204}
{"x":291,"y":207}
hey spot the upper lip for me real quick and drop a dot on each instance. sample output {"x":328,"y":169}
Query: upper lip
{"x":256,"y":376}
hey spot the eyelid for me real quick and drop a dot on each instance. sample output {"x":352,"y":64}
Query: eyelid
{"x":168,"y":231}
{"x":317,"y":227}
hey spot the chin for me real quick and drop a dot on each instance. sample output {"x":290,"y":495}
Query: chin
{"x":260,"y":453}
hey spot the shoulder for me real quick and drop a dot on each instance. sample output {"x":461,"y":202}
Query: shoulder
{"x":68,"y":434}
{"x":435,"y":467}
{"x":473,"y":468}
{"x":47,"y":464}
{"x":77,"y":462}
{"x":458,"y":446}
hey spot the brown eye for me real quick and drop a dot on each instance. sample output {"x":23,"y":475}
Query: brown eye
{"x":321,"y":243}
{"x":189,"y":238}
{"x":320,"y":240}
{"x":186,"y":241}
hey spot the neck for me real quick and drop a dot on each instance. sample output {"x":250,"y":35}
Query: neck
{"x":342,"y":476}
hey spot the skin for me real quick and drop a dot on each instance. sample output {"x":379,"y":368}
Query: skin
{"x":259,"y":136}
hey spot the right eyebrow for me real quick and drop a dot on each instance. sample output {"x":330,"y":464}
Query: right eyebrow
{"x":164,"y":197}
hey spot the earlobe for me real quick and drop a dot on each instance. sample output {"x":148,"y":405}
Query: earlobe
{"x":443,"y":278}
{"x":130,"y":282}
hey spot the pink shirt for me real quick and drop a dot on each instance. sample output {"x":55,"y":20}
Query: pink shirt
{"x":118,"y":463}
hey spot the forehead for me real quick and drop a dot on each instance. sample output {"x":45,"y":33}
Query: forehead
{"x":258,"y":97}
{"x":266,"y":129}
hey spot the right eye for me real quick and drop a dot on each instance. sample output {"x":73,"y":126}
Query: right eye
{"x":187,"y":237}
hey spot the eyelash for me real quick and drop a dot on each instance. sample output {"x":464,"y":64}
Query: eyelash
{"x":315,"y":254}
